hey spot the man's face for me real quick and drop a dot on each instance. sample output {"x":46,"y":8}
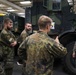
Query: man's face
{"x":9,"y":25}
{"x":28,"y":27}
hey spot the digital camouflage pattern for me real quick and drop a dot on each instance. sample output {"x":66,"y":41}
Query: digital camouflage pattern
{"x":41,"y":51}
{"x":7,"y":51}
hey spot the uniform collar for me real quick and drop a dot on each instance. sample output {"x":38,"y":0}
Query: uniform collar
{"x":41,"y":32}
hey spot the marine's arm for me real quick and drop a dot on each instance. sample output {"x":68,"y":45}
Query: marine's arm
{"x":22,"y":50}
{"x":57,"y":49}
{"x":8,"y":39}
{"x":22,"y":37}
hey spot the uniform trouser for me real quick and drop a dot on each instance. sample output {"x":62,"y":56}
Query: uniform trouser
{"x":8,"y":59}
{"x":8,"y":66}
{"x":23,"y":68}
{"x":1,"y":70}
{"x":5,"y":71}
{"x":9,"y":71}
{"x":24,"y":73}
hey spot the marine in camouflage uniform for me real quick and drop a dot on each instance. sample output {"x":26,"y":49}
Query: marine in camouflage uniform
{"x":7,"y":41}
{"x":26,"y":32}
{"x":41,"y":50}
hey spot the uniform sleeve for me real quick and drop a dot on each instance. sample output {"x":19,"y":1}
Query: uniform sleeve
{"x":19,"y":40}
{"x":8,"y":38}
{"x":22,"y":37}
{"x":22,"y":50}
{"x":56,"y":49}
{"x":1,"y":52}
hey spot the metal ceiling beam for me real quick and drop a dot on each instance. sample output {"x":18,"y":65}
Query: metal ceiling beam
{"x":3,"y":12}
{"x":12,"y":5}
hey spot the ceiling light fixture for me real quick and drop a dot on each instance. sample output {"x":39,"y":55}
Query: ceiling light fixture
{"x":21,"y":13}
{"x":26,"y":2}
{"x":70,"y":2}
{"x":11,"y":10}
{"x":2,"y":5}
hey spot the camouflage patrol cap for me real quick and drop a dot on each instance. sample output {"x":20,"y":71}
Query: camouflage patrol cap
{"x":43,"y":21}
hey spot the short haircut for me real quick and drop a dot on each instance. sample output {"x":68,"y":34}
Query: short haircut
{"x":6,"y":20}
{"x":43,"y":21}
{"x":27,"y":23}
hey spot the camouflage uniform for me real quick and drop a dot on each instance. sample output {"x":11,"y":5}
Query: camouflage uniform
{"x":23,"y":35}
{"x":6,"y":38}
{"x":1,"y":59}
{"x":41,"y":51}
{"x":1,"y":71}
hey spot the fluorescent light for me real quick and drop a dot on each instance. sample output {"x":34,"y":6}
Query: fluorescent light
{"x":26,"y":2}
{"x":23,"y":16}
{"x":11,"y":10}
{"x":21,"y":13}
{"x":70,"y":2}
{"x":2,"y":5}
